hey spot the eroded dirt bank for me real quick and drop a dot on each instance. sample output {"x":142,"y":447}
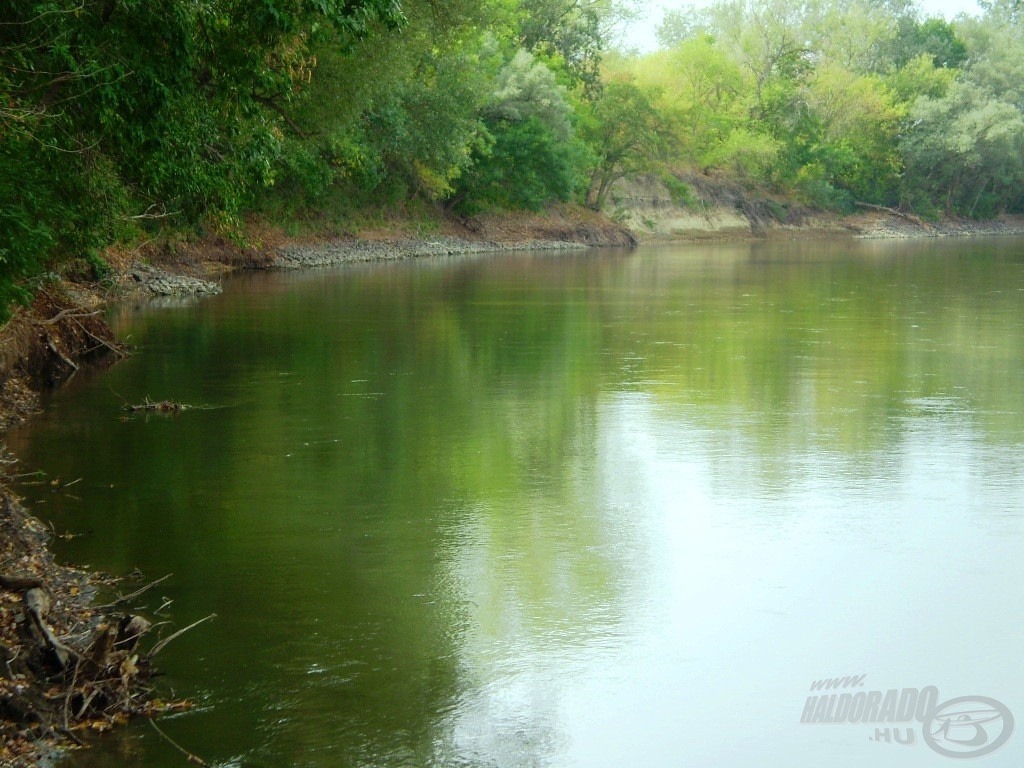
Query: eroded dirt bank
{"x":717,"y":210}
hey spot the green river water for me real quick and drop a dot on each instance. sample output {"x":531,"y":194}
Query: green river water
{"x":602,"y":509}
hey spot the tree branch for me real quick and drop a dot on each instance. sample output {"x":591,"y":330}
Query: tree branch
{"x":270,"y":103}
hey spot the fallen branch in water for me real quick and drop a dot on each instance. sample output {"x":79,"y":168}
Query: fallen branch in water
{"x":65,"y":669}
{"x":908,"y":216}
{"x":37,"y":607}
{"x":162,"y":406}
{"x":188,"y":755}
{"x":64,"y":358}
{"x":132,"y":595}
{"x":17,"y":584}
{"x":163,"y":643}
{"x":70,"y":312}
{"x":115,"y":348}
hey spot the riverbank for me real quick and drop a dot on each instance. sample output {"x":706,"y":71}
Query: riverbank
{"x":66,"y":665}
{"x":44,"y":344}
{"x":717,"y":210}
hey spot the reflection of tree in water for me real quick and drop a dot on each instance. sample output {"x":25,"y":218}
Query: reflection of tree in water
{"x":799,"y":350}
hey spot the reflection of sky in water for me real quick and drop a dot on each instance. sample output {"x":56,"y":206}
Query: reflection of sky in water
{"x":745,"y":593}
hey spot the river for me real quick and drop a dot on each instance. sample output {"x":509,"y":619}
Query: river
{"x":597,"y":509}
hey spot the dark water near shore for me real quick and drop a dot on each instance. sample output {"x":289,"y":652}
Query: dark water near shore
{"x":602,"y":509}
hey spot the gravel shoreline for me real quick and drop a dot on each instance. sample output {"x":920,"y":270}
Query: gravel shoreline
{"x":155,"y":281}
{"x":895,"y":228}
{"x":354,"y":251}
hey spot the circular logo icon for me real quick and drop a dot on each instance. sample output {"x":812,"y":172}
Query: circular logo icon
{"x":968,"y":726}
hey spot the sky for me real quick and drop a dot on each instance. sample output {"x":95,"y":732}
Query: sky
{"x":640,"y":33}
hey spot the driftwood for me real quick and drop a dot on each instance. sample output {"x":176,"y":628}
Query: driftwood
{"x":161,"y":406}
{"x":37,"y":608}
{"x":71,"y":312}
{"x":115,"y":348}
{"x":132,"y":595}
{"x":167,"y":640}
{"x":908,"y":216}
{"x":64,"y":358}
{"x":194,"y":759}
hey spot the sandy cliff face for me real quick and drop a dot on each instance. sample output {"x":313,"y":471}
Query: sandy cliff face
{"x":706,"y":208}
{"x":646,"y":205}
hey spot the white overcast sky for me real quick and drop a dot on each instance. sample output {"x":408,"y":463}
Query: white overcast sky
{"x":640,"y":33}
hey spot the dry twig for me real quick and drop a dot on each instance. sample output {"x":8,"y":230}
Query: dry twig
{"x":163,"y":643}
{"x":196,"y":760}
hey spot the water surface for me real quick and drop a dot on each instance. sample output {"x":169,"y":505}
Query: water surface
{"x":601,"y":509}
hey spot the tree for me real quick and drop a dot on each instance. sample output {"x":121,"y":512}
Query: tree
{"x":964,"y":151}
{"x":934,"y":38}
{"x":712,"y":98}
{"x":626,"y":133}
{"x":526,"y":88}
{"x":129,"y":111}
{"x":859,"y":125}
{"x":570,"y":35}
{"x":530,"y":156}
{"x":524,"y":165}
{"x":676,"y":27}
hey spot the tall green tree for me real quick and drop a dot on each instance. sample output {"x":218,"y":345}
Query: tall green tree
{"x":964,"y":153}
{"x":626,"y":133}
{"x":530,"y":155}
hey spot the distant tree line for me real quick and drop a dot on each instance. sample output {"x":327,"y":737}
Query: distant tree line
{"x":835,"y":102}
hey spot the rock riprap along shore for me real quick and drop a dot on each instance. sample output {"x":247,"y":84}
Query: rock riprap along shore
{"x":160,"y":283}
{"x":350,"y":251}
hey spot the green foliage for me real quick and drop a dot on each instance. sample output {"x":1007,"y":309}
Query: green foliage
{"x":855,"y":101}
{"x":933,"y":38}
{"x":678,"y":190}
{"x":567,"y":34}
{"x":526,"y":166}
{"x":814,"y":187}
{"x":968,"y":148}
{"x":420,"y":134}
{"x":120,"y":119}
{"x":920,"y":77}
{"x":525,"y":88}
{"x":626,"y":133}
{"x":129,"y":111}
{"x":529,"y":155}
{"x":744,"y":154}
{"x":676,"y":27}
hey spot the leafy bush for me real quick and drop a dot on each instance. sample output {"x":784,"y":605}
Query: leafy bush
{"x":679,"y":190}
{"x":525,"y":166}
{"x":813,"y":188}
